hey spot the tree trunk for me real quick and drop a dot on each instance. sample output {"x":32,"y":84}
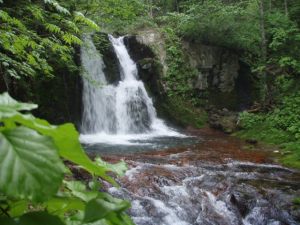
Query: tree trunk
{"x":286,"y":8}
{"x":4,"y":80}
{"x":263,"y":50}
{"x":176,"y":5}
{"x":150,"y":8}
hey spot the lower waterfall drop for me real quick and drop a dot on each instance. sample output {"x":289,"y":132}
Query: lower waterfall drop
{"x":116,"y":114}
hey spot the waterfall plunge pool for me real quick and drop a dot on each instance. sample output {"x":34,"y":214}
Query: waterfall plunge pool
{"x":135,"y":143}
{"x":121,"y":118}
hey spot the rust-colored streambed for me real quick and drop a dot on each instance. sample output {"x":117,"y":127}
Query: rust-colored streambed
{"x":217,"y":180}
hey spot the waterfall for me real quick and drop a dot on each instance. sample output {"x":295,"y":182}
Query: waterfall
{"x":122,"y":111}
{"x":98,"y":97}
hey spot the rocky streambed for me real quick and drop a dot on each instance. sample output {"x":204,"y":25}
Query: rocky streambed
{"x":218,"y":180}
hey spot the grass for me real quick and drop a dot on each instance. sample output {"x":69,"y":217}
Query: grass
{"x":290,"y":146}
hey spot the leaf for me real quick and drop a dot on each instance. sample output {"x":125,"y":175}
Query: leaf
{"x":118,"y":168}
{"x":60,"y":205}
{"x":78,"y":189}
{"x":53,"y":28}
{"x":79,"y":17}
{"x":99,"y":208}
{"x":66,"y":139}
{"x":8,"y":221}
{"x":18,"y":208}
{"x":30,"y":167}
{"x":57,"y":6}
{"x":38,"y":218}
{"x":71,"y":39}
{"x":10,"y":107}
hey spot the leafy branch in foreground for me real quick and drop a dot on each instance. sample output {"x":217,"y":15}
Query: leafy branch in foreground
{"x":33,"y":189}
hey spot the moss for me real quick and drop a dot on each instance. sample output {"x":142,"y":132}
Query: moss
{"x":290,"y":147}
{"x":183,"y":112}
{"x":297,"y":201}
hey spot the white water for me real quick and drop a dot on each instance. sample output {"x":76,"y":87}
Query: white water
{"x":208,"y":194}
{"x":122,"y":114}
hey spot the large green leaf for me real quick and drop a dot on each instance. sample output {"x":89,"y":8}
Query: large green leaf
{"x":66,"y":138}
{"x":100,"y":208}
{"x":10,"y":107}
{"x":30,"y":166}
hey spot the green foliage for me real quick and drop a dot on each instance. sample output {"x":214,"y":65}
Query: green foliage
{"x":284,"y":42}
{"x":184,"y":113}
{"x":179,"y":74}
{"x":23,"y":165}
{"x":296,"y":201}
{"x":280,"y":126}
{"x":10,"y":107}
{"x":32,"y":185}
{"x":249,"y":120}
{"x":230,"y":25}
{"x":113,"y":15}
{"x":37,"y":36}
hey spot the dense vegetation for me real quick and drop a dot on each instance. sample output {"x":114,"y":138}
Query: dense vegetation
{"x":267,"y":36}
{"x":35,"y":184}
{"x":39,"y":41}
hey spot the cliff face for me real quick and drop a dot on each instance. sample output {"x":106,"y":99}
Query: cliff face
{"x":222,"y":79}
{"x":217,"y":67}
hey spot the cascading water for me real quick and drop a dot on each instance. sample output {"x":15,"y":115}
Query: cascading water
{"x":116,"y":113}
{"x":98,"y":96}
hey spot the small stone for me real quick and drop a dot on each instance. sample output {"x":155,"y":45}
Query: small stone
{"x":251,"y":141}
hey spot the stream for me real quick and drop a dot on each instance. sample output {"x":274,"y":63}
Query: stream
{"x":219,"y":180}
{"x":178,"y":177}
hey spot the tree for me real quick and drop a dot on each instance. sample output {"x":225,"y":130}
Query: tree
{"x":35,"y":36}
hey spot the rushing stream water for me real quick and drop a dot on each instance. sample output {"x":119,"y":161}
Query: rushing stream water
{"x":204,"y":178}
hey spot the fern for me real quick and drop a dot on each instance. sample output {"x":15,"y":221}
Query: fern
{"x":58,"y":7}
{"x":71,"y":39}
{"x":53,"y":28}
{"x":37,"y":12}
{"x":4,"y":16}
{"x":79,"y":17}
{"x":72,"y":26}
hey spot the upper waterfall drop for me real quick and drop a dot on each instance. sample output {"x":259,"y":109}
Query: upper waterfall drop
{"x":123,"y":111}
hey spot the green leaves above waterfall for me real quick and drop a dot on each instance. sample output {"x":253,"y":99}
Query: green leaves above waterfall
{"x":36,"y":36}
{"x":32,"y":173}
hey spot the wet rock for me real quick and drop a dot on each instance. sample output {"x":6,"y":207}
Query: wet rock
{"x":150,"y":66}
{"x":109,"y":56}
{"x":251,"y":141}
{"x":223,"y":120}
{"x":240,"y":203}
{"x":296,"y":213}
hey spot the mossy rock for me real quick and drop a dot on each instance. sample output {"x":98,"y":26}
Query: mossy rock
{"x":103,"y":45}
{"x":182,"y":113}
